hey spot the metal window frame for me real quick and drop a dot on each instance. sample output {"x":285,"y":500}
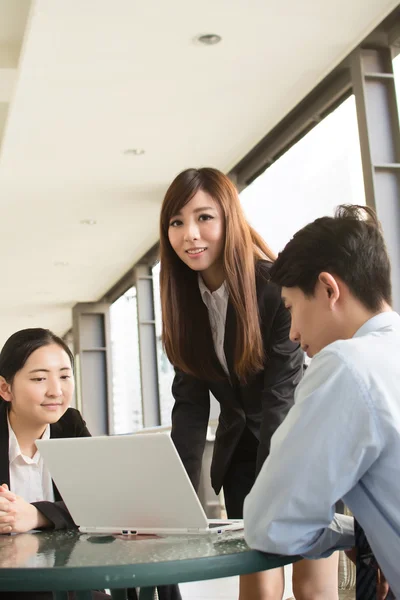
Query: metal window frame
{"x":319,"y":103}
{"x":93,"y":365}
{"x":151,"y":408}
{"x":375,"y":94}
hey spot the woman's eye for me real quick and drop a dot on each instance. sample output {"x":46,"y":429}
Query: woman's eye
{"x":66,"y":377}
{"x":175,"y":223}
{"x":38,"y":379}
{"x":205,"y":217}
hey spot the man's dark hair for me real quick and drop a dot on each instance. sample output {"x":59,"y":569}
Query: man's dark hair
{"x":349,"y":245}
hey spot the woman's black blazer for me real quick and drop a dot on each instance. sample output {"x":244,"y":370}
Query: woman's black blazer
{"x":261,"y":404}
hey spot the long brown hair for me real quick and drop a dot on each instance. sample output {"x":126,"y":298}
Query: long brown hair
{"x":186,"y":333}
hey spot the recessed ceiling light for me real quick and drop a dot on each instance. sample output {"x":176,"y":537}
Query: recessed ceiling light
{"x":208,"y":39}
{"x":61,"y":263}
{"x":88,"y":222}
{"x":135,"y":151}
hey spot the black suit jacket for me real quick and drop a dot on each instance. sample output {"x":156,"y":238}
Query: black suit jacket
{"x":261,"y":404}
{"x":70,"y":425}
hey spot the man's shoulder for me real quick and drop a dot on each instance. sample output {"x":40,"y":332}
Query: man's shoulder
{"x":344,"y":363}
{"x":349,"y":351}
{"x":341,"y":356}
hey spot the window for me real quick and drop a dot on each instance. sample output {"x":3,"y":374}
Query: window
{"x":396,"y":70}
{"x":321,"y":171}
{"x":165,"y":369}
{"x":127,"y":396}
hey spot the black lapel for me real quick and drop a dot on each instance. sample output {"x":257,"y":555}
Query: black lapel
{"x":230,"y":338}
{"x":4,"y":450}
{"x":56,"y":431}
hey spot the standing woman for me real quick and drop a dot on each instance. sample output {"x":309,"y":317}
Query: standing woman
{"x":226,"y":331}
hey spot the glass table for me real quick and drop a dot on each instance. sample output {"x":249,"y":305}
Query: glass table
{"x":67,"y":560}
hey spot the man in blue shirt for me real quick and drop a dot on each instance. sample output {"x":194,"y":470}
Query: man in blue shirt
{"x":341,"y":440}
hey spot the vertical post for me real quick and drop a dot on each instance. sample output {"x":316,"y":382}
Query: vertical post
{"x":378,"y":124}
{"x":147,"y":345}
{"x":119,"y":594}
{"x":148,"y":593}
{"x":69,"y":340}
{"x":83,"y":595}
{"x":92,"y":346}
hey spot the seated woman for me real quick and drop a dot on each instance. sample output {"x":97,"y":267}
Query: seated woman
{"x":36,"y":388}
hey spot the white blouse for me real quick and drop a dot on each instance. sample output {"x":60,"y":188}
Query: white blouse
{"x":29,"y":477}
{"x":217,"y":305}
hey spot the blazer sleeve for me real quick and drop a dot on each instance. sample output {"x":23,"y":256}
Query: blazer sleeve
{"x":57,"y":512}
{"x":189,"y":422}
{"x":283,"y":372}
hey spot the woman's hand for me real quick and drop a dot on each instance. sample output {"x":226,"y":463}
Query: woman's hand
{"x":6,"y":516}
{"x":17,"y":515}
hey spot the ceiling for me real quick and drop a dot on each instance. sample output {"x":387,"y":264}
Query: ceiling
{"x":81,"y":82}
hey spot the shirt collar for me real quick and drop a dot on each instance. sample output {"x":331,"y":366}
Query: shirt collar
{"x":384,"y":319}
{"x":205,"y":292}
{"x":14,"y":450}
{"x":13,"y":447}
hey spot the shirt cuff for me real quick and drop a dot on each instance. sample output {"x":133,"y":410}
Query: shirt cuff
{"x":338,"y":536}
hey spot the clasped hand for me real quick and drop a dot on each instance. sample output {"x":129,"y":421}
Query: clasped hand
{"x":16,"y":515}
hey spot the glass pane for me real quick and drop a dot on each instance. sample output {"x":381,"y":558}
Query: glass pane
{"x":165,"y":369}
{"x":396,"y":70}
{"x":321,"y":171}
{"x":127,"y":395}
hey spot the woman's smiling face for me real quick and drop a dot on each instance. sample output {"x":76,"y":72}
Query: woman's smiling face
{"x":42,"y":390}
{"x":197,"y":233}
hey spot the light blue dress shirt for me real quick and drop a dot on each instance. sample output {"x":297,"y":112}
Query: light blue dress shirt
{"x":341,"y":440}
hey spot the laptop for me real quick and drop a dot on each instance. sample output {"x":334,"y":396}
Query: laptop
{"x":128,"y":484}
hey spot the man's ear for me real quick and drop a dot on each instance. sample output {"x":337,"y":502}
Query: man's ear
{"x":5,"y":390}
{"x":330,"y":287}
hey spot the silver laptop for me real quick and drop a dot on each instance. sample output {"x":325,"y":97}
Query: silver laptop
{"x":129,"y":484}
